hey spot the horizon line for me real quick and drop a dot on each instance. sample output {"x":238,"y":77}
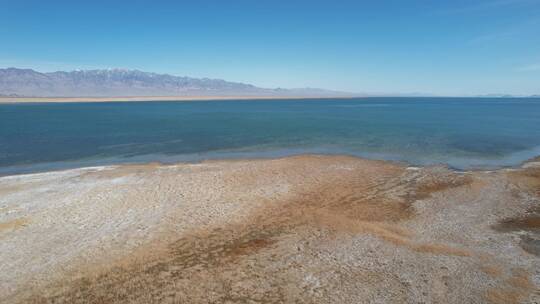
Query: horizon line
{"x":349,"y":94}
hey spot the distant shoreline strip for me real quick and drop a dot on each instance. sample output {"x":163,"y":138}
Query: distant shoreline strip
{"x":158,"y":98}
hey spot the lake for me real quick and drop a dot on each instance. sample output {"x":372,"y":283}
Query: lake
{"x":464,"y":133}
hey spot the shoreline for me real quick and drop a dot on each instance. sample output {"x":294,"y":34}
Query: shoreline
{"x":188,"y":229}
{"x":64,"y":166}
{"x":76,"y":99}
{"x":210,"y":161}
{"x":13,"y":100}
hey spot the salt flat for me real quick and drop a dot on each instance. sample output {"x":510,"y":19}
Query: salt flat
{"x":304,"y":229}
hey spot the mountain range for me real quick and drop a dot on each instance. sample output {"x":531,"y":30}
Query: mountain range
{"x":16,"y":82}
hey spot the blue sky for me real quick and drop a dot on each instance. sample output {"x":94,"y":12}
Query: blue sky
{"x":430,"y":47}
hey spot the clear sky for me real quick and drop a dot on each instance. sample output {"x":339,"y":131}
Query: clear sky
{"x":432,"y":47}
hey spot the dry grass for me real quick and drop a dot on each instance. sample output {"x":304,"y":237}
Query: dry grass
{"x":13,"y":224}
{"x":388,"y":232}
{"x":503,"y":296}
{"x":441,"y":249}
{"x":527,"y":179}
{"x":520,"y":279}
{"x":491,"y":270}
{"x":528,"y":223}
{"x":513,"y":290}
{"x":206,"y":266}
{"x":432,"y":184}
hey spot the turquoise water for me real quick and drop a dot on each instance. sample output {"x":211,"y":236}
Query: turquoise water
{"x":461,"y":132}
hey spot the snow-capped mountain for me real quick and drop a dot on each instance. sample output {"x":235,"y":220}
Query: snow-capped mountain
{"x":120,"y":82}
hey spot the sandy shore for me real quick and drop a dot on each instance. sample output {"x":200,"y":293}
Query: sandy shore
{"x":305,"y":229}
{"x":150,"y":98}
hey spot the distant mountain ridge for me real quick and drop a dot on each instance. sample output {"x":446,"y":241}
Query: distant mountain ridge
{"x":126,"y":83}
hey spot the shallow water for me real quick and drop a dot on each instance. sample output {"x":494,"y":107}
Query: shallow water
{"x":461,"y":132}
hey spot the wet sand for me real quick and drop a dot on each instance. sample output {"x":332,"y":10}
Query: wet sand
{"x":304,"y":229}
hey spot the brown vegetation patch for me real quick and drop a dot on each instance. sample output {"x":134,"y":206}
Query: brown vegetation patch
{"x":388,"y":232}
{"x":13,"y":224}
{"x":491,"y":270}
{"x":503,"y":296}
{"x":441,"y":249}
{"x":530,"y":244}
{"x":438,"y":183}
{"x":520,"y":279}
{"x":527,"y":179}
{"x":206,"y":264}
{"x":194,"y":259}
{"x":513,"y":290}
{"x":219,"y":247}
{"x":529,"y":223}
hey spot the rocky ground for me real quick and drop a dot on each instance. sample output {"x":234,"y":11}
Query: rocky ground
{"x":305,"y":229}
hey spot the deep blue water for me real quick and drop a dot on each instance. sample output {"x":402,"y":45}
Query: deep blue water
{"x":461,"y":132}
